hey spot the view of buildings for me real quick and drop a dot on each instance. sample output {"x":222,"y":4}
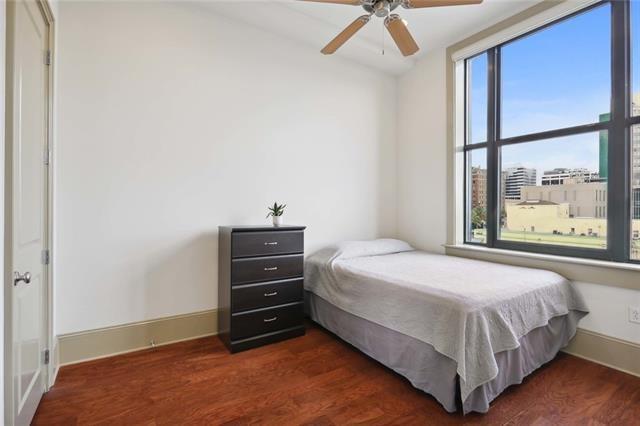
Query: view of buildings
{"x":514,"y":178}
{"x":562,"y":206}
{"x":583,"y":199}
{"x":559,"y":176}
{"x":479,"y":186}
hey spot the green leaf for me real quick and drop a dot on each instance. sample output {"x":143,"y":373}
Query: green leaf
{"x":276,"y":209}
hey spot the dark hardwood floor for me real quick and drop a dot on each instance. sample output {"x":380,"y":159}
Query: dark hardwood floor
{"x":315,"y":379}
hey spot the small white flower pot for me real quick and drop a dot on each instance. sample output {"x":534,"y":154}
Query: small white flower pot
{"x":277,"y":220}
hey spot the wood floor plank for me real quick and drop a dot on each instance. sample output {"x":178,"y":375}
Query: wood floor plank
{"x":315,"y":379}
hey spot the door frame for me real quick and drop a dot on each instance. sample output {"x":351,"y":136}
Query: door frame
{"x":49,"y":370}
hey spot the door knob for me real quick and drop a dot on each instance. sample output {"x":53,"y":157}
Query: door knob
{"x":26,"y":277}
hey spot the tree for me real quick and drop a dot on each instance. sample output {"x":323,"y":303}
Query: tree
{"x":478,"y":217}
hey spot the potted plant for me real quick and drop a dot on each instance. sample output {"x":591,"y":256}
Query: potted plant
{"x":276,"y":211}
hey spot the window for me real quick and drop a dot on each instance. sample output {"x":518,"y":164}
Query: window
{"x":477,"y":187}
{"x":635,"y":58}
{"x":476,"y":137}
{"x":634,"y":157}
{"x":552,"y":119}
{"x":477,"y":94}
{"x":635,"y":192}
{"x":523,"y":165}
{"x":557,"y":77}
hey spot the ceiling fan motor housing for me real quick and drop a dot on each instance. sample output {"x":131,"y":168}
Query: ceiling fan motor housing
{"x":381,"y":8}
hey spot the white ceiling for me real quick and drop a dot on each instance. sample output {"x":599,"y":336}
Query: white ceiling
{"x":316,"y":23}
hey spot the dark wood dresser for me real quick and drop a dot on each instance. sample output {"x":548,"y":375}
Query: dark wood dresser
{"x":260,"y":285}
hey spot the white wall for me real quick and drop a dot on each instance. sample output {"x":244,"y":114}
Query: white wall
{"x":173,"y":120}
{"x":422,"y":190}
{"x":422,"y":154}
{"x":609,"y":313}
{"x":209,"y":121}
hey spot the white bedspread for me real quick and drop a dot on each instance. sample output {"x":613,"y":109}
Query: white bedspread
{"x":467,"y":310}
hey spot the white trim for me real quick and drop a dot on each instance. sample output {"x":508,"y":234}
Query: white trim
{"x":458,"y":152}
{"x":51,"y":340}
{"x":3,"y":55}
{"x":123,"y":338}
{"x":547,"y":257}
{"x":54,"y":362}
{"x":7,"y":365}
{"x":563,"y":9}
{"x":606,"y":364}
{"x":143,"y":323}
{"x":609,"y":351}
{"x":138,"y":349}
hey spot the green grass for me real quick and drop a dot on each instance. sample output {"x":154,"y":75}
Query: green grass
{"x":542,"y":238}
{"x":479,"y":235}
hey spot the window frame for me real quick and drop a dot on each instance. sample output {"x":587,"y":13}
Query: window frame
{"x":472,"y":146}
{"x":619,"y":128}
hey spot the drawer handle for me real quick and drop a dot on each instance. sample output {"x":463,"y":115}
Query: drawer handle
{"x":275,"y":293}
{"x":270,"y":319}
{"x":272,"y":243}
{"x":273,"y":268}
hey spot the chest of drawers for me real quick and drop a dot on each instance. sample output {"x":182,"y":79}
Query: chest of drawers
{"x":260,"y":285}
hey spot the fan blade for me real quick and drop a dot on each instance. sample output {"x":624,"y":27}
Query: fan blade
{"x":401,"y":35}
{"x":345,"y":35}
{"x":351,"y":2}
{"x":416,"y":4}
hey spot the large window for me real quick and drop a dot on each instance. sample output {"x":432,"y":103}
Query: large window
{"x":552,"y":141}
{"x":634,"y":132}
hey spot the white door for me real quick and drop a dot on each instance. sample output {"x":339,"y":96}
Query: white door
{"x":29,"y":79}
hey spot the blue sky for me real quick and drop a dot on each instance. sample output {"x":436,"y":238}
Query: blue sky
{"x":557,"y":77}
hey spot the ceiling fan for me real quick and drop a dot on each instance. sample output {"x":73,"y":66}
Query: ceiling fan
{"x":396,"y":26}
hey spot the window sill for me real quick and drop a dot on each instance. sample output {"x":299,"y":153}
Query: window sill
{"x":547,"y":257}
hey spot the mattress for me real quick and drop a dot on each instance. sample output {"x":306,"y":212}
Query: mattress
{"x":466,"y":310}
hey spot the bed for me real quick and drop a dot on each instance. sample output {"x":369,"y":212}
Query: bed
{"x":461,"y":330}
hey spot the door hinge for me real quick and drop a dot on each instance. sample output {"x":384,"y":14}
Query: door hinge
{"x":47,"y":57}
{"x":46,"y":257}
{"x":46,"y":356}
{"x":46,"y":156}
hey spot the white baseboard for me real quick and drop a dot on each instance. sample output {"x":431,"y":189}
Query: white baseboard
{"x":105,"y":342}
{"x":110,"y":341}
{"x":609,"y":351}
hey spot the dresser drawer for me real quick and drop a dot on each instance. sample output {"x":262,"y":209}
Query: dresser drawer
{"x":244,"y":271}
{"x":266,"y":321}
{"x":255,"y":296}
{"x":246,"y":244}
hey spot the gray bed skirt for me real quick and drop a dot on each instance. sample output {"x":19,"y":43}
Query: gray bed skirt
{"x":434,"y":373}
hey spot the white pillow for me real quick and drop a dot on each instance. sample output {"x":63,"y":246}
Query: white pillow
{"x":352,"y":249}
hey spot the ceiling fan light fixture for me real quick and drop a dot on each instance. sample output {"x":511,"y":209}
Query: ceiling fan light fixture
{"x":393,"y":17}
{"x":382,"y":9}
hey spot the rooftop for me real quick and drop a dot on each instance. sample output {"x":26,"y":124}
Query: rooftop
{"x":537,"y":203}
